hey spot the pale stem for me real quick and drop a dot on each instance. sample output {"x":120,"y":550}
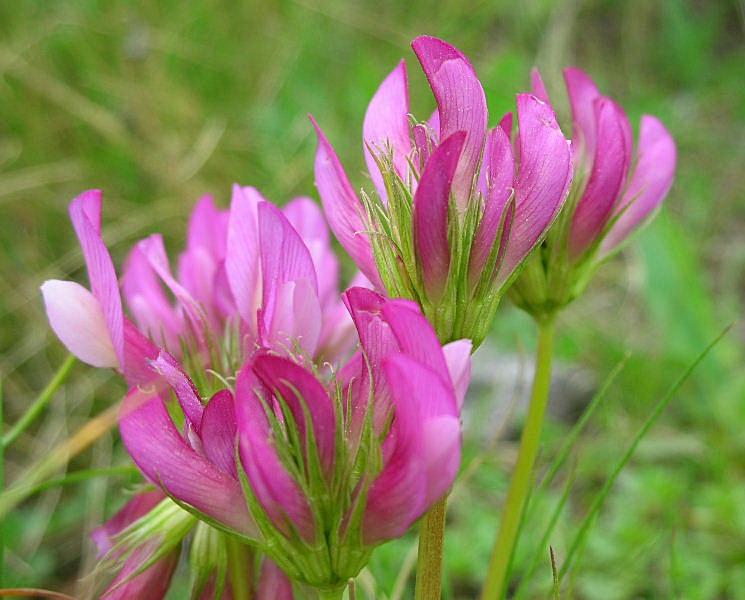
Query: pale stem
{"x":431,"y":543}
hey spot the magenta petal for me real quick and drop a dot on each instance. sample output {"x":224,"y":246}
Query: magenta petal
{"x":295,"y":320}
{"x":458,"y":359}
{"x":147,"y":301}
{"x":506,"y":124}
{"x":499,"y":170}
{"x":85,"y":213}
{"x":461,"y":105}
{"x":273,"y":583}
{"x":652,"y":178}
{"x":77,"y":319}
{"x":185,"y":390}
{"x":242,"y":260}
{"x":537,"y":87}
{"x":344,"y":211}
{"x":386,"y":126}
{"x":416,"y":470}
{"x":582,"y":95}
{"x":609,"y":168}
{"x":151,"y":584}
{"x":289,"y":380}
{"x":542,"y":183}
{"x":431,"y":205}
{"x":139,"y":353}
{"x":275,"y":489}
{"x":218,"y":432}
{"x":160,"y":452}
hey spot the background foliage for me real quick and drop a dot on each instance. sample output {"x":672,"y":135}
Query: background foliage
{"x":160,"y":102}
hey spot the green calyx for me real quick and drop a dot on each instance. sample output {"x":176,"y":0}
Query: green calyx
{"x":466,"y":305}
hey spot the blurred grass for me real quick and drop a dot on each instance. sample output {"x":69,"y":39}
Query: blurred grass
{"x":160,"y":102}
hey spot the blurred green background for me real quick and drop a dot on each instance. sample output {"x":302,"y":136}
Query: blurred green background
{"x":159,"y":102}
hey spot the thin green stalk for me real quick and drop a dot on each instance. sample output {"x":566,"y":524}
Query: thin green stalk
{"x":41,"y":402}
{"x":496,"y":577}
{"x":431,"y":542}
{"x":643,"y":430}
{"x":2,"y":486}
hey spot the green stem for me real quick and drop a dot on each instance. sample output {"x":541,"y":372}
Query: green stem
{"x":239,"y":569}
{"x":431,"y":542}
{"x":2,"y":486}
{"x":41,"y":402}
{"x":495,"y":584}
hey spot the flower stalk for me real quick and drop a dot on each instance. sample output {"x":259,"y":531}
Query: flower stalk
{"x":431,"y":542}
{"x":495,"y":584}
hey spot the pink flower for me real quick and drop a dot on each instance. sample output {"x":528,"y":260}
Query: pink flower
{"x":361,"y":456}
{"x":461,"y":214}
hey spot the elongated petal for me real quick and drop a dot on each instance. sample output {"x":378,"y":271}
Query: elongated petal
{"x":85,"y":213}
{"x":301,"y":391}
{"x":461,"y":104}
{"x":139,"y":353}
{"x":306,"y":217}
{"x":219,"y":430}
{"x":273,"y":583}
{"x":431,"y":205}
{"x":242,"y":261}
{"x":78,"y":321}
{"x":160,"y":452}
{"x":652,"y":178}
{"x":295,"y":322}
{"x":155,"y":252}
{"x":277,"y":492}
{"x":499,"y":171}
{"x":542,"y":183}
{"x":582,"y":95}
{"x":609,"y":168}
{"x":186,"y":392}
{"x":458,"y":359}
{"x":148,"y":303}
{"x":344,"y":211}
{"x":537,"y":87}
{"x":386,"y":126}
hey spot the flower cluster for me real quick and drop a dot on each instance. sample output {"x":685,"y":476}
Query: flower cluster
{"x":286,"y":428}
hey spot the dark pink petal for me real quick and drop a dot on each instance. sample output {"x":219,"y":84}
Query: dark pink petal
{"x":542,"y":183}
{"x":155,"y":252}
{"x":421,"y":453}
{"x":458,"y":359}
{"x":85,"y":213}
{"x":498,"y":170}
{"x":77,"y":319}
{"x":344,"y":211}
{"x":151,"y":584}
{"x":307,"y":219}
{"x":273,"y":583}
{"x":139,"y":352}
{"x":582,"y":95}
{"x":652,"y":178}
{"x":433,"y":126}
{"x":277,"y":492}
{"x":537,"y":87}
{"x":289,"y":380}
{"x":461,"y":105}
{"x":138,"y":506}
{"x":218,"y":432}
{"x":186,"y":392}
{"x":431,"y":206}
{"x":242,"y":262}
{"x":160,"y":452}
{"x":609,"y":168}
{"x":148,"y":303}
{"x":386,"y":127}
{"x":506,"y":124}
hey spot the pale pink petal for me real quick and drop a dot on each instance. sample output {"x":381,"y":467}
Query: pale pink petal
{"x":431,"y":208}
{"x":461,"y":105}
{"x":609,"y":168}
{"x":344,"y":211}
{"x":242,"y":261}
{"x":652,"y":178}
{"x":295,"y":320}
{"x":78,"y":321}
{"x":582,"y":95}
{"x":537,"y":87}
{"x":85,"y":213}
{"x":458,"y":358}
{"x":542,"y":183}
{"x":386,"y":127}
{"x":186,"y":392}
